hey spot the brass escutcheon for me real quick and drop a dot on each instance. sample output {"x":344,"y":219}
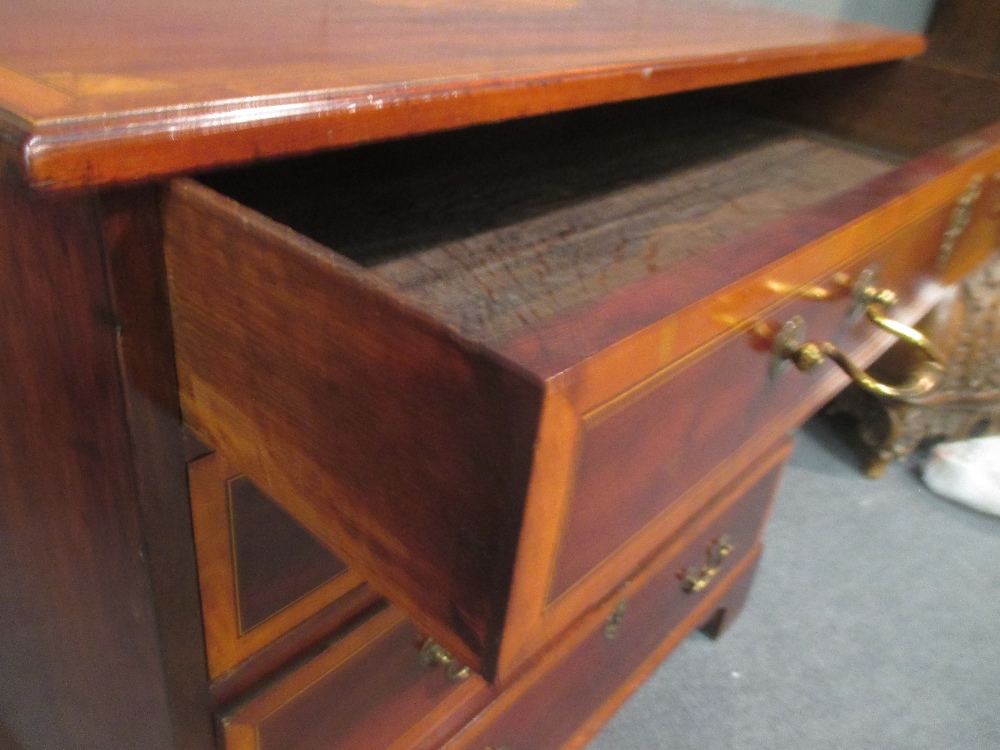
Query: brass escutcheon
{"x":613,"y":625}
{"x":961,"y":216}
{"x":694,"y":580}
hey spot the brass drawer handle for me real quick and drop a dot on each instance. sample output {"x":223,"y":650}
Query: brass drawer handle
{"x":697,"y":579}
{"x":790,"y":345}
{"x":433,"y":655}
{"x":613,"y":625}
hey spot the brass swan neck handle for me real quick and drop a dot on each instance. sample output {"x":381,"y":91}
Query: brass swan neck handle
{"x":789,"y":345}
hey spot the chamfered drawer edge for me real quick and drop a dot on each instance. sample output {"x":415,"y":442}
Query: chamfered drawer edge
{"x":403,"y":448}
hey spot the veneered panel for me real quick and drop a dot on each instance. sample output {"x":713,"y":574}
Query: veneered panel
{"x":276,"y":561}
{"x":642,"y":450}
{"x":654,"y":612}
{"x":365,"y":692}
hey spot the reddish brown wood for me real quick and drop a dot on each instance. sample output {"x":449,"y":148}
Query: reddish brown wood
{"x":132,"y":242}
{"x":655,"y":355}
{"x":294,"y":646}
{"x":112,"y":91}
{"x":398,"y":439}
{"x":276,"y":561}
{"x":838,"y":227}
{"x":280,"y":338}
{"x":365,"y":692}
{"x":99,"y":568}
{"x":263,"y":577}
{"x":641,"y":451}
{"x":82,"y":653}
{"x":500,"y":229}
{"x":728,"y":594}
{"x":564,"y":704}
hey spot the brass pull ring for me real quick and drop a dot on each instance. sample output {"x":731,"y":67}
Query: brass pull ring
{"x":433,"y":655}
{"x":697,"y":579}
{"x":808,"y":355}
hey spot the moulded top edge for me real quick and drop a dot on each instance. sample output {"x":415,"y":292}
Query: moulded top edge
{"x":114,"y":92}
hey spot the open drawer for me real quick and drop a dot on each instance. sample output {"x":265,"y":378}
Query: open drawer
{"x":496,"y":369}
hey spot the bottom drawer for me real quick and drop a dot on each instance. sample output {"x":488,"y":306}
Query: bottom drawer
{"x":694,"y":582}
{"x":370,"y":690}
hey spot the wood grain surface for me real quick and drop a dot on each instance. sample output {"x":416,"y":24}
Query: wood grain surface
{"x":496,"y":234}
{"x":132,"y":241}
{"x":402,"y":447}
{"x":97,"y":92}
{"x":566,"y":694}
{"x":262,"y":575}
{"x":633,"y":320}
{"x":280,"y":337}
{"x":367,"y":691}
{"x":88,"y":641}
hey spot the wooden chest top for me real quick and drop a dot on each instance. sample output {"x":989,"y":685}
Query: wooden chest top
{"x":99,"y":92}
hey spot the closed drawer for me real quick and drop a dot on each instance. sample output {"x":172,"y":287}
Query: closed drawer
{"x":372,"y":690}
{"x":262,"y":575}
{"x":368,"y":691}
{"x":495,"y":370}
{"x":599,"y":663}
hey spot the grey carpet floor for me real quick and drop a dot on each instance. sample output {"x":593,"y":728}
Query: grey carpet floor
{"x":873,"y":622}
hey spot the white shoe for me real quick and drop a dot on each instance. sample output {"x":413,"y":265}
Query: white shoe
{"x":967,"y":472}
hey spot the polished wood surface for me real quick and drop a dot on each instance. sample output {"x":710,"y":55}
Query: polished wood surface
{"x":414,"y":456}
{"x":708,"y":393}
{"x":98,"y":92}
{"x":262,"y":575}
{"x":450,"y":459}
{"x":640,"y":327}
{"x":644,"y":448}
{"x":567,"y":694}
{"x":137,"y":281}
{"x":637,"y":372}
{"x":367,"y":691}
{"x":82,"y":600}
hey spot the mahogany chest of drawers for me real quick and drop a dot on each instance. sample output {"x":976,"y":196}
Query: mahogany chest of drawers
{"x":397,"y":375}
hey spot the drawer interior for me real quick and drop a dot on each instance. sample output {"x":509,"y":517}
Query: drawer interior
{"x":498,"y":228}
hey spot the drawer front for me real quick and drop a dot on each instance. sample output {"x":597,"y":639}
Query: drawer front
{"x":368,"y":691}
{"x":644,"y":449}
{"x":261,"y":573}
{"x":648,"y":617}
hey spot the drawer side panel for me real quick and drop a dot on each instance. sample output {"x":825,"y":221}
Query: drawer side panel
{"x":383,"y":435}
